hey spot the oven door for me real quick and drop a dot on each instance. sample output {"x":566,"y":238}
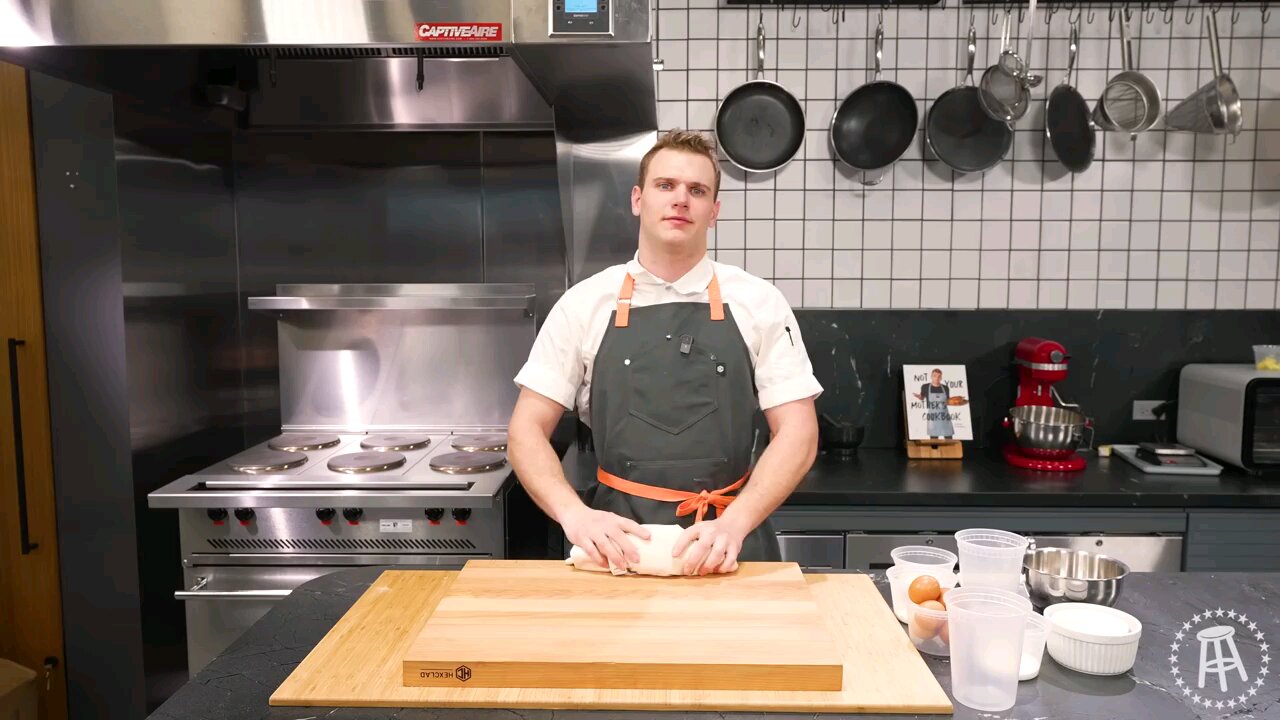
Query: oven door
{"x":226,"y":595}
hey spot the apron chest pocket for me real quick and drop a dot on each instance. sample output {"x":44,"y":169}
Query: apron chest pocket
{"x":672,"y":392}
{"x":689,"y":475}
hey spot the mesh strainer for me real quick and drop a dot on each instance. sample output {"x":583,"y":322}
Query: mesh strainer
{"x":1131,"y":101}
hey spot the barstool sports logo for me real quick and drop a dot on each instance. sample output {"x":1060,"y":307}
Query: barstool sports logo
{"x":1220,"y":660}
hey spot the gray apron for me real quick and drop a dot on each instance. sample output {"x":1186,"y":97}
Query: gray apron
{"x":939,"y":414}
{"x":672,"y":398}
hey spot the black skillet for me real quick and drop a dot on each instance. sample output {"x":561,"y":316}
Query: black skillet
{"x":959,"y":132}
{"x":760,"y":124}
{"x":1067,"y":123}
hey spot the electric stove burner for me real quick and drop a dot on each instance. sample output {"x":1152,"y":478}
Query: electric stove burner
{"x":366,"y":462}
{"x":466,"y":463}
{"x":395,"y":443}
{"x":297,"y":442}
{"x":262,"y":460}
{"x":493,"y":443}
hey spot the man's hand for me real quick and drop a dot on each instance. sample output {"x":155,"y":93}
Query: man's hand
{"x":603,"y":535}
{"x":714,"y":547}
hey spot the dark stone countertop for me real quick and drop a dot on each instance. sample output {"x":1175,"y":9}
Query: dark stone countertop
{"x":882,"y":476}
{"x":237,"y":684}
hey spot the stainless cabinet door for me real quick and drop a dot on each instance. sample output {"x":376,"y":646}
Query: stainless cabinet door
{"x":813,"y":552}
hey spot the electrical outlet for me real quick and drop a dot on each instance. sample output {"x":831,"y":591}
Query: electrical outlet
{"x":1143,"y":409}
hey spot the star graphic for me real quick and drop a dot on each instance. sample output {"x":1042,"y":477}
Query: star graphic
{"x":1231,"y":703}
{"x":1176,"y":671}
{"x":1195,"y":619}
{"x":1173,"y":658}
{"x":1263,"y":671}
{"x":1174,"y":646}
{"x":1253,"y":626}
{"x":1186,"y":691}
{"x":1244,"y":619}
{"x":1207,"y":614}
{"x":1266,"y":658}
{"x":1253,"y":691}
{"x":1259,"y":635}
{"x":1186,"y":626}
{"x":1178,"y":636}
{"x":1265,"y":647}
{"x":1259,"y":682}
{"x":1232,"y":614}
{"x":1220,"y":612}
{"x":1242,"y":698}
{"x":1220,"y":705}
{"x":1195,"y":699}
{"x":1180,"y":682}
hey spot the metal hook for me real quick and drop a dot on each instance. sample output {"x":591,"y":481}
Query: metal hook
{"x":1235,"y":14}
{"x":1189,"y":13}
{"x":1073,"y":14}
{"x":1148,"y":15}
{"x":1111,"y":15}
{"x":1048,"y":16}
{"x":1090,"y":17}
{"x":993,"y":15}
{"x":795,"y":16}
{"x":1168,"y":14}
{"x":1266,"y":13}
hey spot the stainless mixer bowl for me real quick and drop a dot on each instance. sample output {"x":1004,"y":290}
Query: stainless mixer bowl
{"x":1057,"y":575}
{"x":1045,"y":430}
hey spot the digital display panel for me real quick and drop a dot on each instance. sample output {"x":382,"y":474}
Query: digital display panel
{"x":580,"y":6}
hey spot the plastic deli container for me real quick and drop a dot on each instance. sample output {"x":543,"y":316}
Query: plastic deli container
{"x":987,"y":627}
{"x":1033,"y":640}
{"x":900,"y":580}
{"x":991,"y":558}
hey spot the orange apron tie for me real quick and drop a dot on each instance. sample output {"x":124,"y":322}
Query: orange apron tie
{"x":690,"y":502}
{"x":623,"y":317}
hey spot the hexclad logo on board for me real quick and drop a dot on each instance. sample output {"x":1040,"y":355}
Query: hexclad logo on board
{"x":463,"y":673}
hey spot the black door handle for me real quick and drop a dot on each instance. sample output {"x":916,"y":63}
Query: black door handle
{"x":19,"y":461}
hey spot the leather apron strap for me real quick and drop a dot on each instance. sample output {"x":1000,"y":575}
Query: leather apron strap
{"x":623,"y":317}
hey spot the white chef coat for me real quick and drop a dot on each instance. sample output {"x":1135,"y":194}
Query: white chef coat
{"x":559,"y":366}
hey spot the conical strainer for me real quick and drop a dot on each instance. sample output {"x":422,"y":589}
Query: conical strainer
{"x":1214,"y":109}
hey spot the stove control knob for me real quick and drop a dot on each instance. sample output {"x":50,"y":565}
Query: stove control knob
{"x":326,"y":515}
{"x":218,"y":515}
{"x":461,"y":515}
{"x":244,"y":515}
{"x":434,"y":515}
{"x":352,"y":515}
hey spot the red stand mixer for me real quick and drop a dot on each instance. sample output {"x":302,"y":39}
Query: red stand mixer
{"x":1046,"y":431}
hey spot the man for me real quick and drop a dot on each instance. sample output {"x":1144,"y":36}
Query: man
{"x":667,"y":358}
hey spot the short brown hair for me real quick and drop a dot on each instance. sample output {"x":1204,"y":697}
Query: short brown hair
{"x":684,"y":141}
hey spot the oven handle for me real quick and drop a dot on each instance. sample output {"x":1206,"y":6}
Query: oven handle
{"x":197,"y":592}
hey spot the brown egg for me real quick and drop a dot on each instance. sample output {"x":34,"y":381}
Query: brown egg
{"x":923,"y":588}
{"x":921,"y":628}
{"x":944,"y":633}
{"x":927,"y":622}
{"x":942,"y":597}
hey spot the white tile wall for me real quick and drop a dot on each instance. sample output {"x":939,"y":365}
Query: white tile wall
{"x":1168,"y":220}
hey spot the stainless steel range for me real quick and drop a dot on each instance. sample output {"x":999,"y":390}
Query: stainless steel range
{"x":389,"y":453}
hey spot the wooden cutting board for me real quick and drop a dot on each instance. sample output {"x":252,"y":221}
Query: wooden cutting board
{"x":359,"y":662}
{"x":508,"y":623}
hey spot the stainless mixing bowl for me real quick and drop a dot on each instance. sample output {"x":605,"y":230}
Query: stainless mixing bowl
{"x":1046,"y":431}
{"x":1056,"y":575}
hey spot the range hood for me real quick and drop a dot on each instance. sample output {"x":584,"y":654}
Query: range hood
{"x":582,"y":69}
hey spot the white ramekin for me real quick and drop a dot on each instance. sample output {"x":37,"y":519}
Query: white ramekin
{"x":1092,"y":639}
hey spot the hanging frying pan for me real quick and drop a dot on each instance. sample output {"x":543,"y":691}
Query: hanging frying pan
{"x":760,"y":124}
{"x":1068,"y":125}
{"x":874,"y":124}
{"x":959,"y":132}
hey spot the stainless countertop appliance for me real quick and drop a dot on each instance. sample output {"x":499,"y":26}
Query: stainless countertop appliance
{"x":1231,"y":413}
{"x":392,"y":449}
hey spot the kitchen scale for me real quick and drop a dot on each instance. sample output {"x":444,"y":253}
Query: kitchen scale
{"x":1166,"y":459}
